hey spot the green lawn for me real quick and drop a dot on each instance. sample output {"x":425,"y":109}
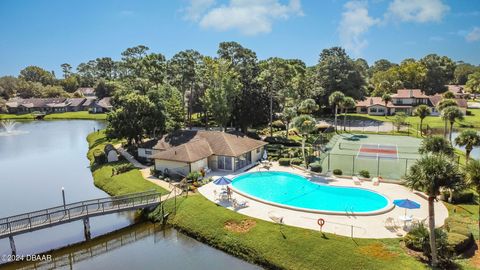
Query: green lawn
{"x":285,"y":247}
{"x":83,"y":115}
{"x":129,"y":182}
{"x":432,"y":121}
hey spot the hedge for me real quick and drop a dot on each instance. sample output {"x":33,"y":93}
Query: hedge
{"x":296,"y":161}
{"x":282,"y":140}
{"x":337,"y":172}
{"x":364,"y":173}
{"x":458,"y":242}
{"x":460,"y":197}
{"x":315,"y":167}
{"x":284,"y":162}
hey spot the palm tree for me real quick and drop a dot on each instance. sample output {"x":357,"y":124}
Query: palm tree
{"x":287,"y":115}
{"x":451,"y":114}
{"x":334,"y":100}
{"x":430,"y":174}
{"x":443,"y":104}
{"x":472,"y":171}
{"x":422,"y":111}
{"x":305,"y":125}
{"x":386,"y":98}
{"x":436,"y":145}
{"x":345,"y":104}
{"x":308,"y":106}
{"x":470,"y":139}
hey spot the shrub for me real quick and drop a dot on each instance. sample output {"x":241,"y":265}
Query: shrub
{"x":315,"y":167}
{"x":278,"y":124}
{"x":296,"y":161}
{"x":284,"y":162}
{"x":122,"y":168}
{"x":337,"y":172}
{"x":194,"y":176}
{"x":364,"y":173}
{"x":416,"y":237}
{"x":458,"y":242}
{"x":99,"y":157}
{"x":311,"y":159}
{"x":282,"y":140}
{"x":469,"y":113}
{"x":253,"y":135}
{"x":466,"y":196}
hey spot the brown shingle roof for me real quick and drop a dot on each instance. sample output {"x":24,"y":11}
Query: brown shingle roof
{"x":188,"y":152}
{"x":370,"y":101}
{"x":105,"y":103}
{"x":221,"y":143}
{"x":87,"y":91}
{"x":435,"y":99}
{"x":407,"y":93}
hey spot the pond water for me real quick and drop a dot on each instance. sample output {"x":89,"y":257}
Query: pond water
{"x":475,"y":152}
{"x":37,"y":159}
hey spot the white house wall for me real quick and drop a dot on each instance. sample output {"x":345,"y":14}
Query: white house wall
{"x":172,"y":166}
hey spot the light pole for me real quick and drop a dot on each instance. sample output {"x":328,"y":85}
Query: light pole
{"x":63,"y":197}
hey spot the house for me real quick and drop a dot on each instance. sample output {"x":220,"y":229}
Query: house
{"x":457,"y":90}
{"x":86,"y":91}
{"x":45,"y":105}
{"x":111,"y":153}
{"x":185,"y":151}
{"x":102,"y":106}
{"x":435,"y":99}
{"x":405,"y":100}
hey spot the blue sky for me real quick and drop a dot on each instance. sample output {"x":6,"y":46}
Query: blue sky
{"x":48,"y":33}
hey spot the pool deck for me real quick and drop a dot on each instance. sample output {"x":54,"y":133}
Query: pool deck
{"x":372,"y":226}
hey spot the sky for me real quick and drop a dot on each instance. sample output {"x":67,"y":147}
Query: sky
{"x":48,"y":33}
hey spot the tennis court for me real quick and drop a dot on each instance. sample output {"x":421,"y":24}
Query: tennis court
{"x":382,"y":155}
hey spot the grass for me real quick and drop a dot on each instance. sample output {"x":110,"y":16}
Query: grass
{"x":285,"y":247}
{"x":128,"y":182}
{"x":432,"y":121}
{"x":82,"y":115}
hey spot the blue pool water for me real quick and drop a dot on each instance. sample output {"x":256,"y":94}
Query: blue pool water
{"x":294,"y":190}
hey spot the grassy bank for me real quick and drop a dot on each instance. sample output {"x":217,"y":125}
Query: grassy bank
{"x":284,"y":247}
{"x":83,"y":115}
{"x":103,"y":175}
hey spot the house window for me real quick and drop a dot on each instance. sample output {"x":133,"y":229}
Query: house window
{"x":381,"y":110}
{"x":148,"y":152}
{"x":363,"y":109}
{"x":243,"y":160}
{"x":224,"y":163}
{"x":400,"y":101}
{"x":373,"y":110}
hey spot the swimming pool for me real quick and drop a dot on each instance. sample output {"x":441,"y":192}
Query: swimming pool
{"x":296,"y":192}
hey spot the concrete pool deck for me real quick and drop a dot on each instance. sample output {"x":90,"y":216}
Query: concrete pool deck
{"x":372,"y":226}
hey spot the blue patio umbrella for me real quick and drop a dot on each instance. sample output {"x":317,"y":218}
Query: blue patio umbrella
{"x":407,"y":204}
{"x":222,"y":181}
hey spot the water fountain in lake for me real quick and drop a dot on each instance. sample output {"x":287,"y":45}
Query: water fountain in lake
{"x":9,"y":127}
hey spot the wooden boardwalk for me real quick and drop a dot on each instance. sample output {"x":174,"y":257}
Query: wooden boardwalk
{"x":27,"y":222}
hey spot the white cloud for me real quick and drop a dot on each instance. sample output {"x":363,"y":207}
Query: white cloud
{"x":473,"y":35}
{"x":417,"y":10}
{"x":250,"y":17}
{"x":197,"y":8}
{"x":354,"y":24}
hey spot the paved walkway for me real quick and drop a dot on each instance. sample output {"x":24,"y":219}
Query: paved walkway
{"x":361,"y":226}
{"x":146,"y":173}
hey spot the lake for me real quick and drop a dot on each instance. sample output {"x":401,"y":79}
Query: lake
{"x":44,"y":156}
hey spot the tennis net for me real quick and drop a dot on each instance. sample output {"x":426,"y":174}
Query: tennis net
{"x":357,"y":146}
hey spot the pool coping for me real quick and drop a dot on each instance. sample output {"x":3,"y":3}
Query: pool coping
{"x":389,"y":207}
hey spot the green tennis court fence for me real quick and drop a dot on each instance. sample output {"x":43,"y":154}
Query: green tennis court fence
{"x":378,"y":166}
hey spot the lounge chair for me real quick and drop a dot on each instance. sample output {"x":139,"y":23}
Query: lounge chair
{"x":275,"y":217}
{"x":356,"y":181}
{"x":239,"y":204}
{"x":390,"y":223}
{"x":376,"y":181}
